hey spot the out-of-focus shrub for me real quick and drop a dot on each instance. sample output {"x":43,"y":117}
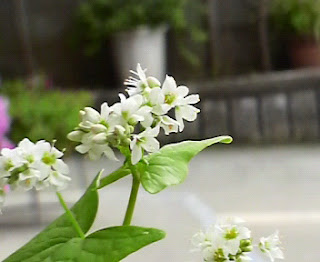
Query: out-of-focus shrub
{"x":41,"y":113}
{"x":296,"y":17}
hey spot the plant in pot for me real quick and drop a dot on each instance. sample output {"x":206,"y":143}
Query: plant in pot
{"x":137,"y":27}
{"x":299,"y":22}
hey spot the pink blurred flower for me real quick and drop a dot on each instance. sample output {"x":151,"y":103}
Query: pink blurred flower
{"x":4,"y":124}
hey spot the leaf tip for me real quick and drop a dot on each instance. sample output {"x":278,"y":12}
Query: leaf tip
{"x":226,"y":139}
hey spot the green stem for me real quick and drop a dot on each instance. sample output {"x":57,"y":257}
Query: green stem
{"x":114,"y":176}
{"x":71,"y":216}
{"x":132,"y":200}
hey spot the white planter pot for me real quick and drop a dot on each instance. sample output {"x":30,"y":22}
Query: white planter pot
{"x":146,"y":46}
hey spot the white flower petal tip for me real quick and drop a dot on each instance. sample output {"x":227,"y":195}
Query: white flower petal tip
{"x":271,"y":246}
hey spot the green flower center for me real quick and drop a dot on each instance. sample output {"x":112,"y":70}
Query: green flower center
{"x":219,"y":256}
{"x":169,"y":98}
{"x":30,"y":158}
{"x":231,"y":234}
{"x":8,"y":165}
{"x":48,"y":158}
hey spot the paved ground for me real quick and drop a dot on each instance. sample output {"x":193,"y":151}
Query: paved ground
{"x":271,"y":187}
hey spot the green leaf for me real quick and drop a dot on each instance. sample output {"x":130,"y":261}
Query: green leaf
{"x":61,"y":230}
{"x":107,"y":245}
{"x":169,"y":166}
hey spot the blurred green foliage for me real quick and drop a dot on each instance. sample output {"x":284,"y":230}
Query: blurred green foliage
{"x":296,"y":17}
{"x":40,"y":113}
{"x":97,"y":20}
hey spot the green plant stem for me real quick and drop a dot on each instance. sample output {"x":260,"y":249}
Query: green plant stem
{"x":71,"y":216}
{"x":114,"y":176}
{"x":132,"y":200}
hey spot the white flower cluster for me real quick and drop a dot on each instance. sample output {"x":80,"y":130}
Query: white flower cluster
{"x":228,"y":240}
{"x":134,"y":122}
{"x":30,"y":166}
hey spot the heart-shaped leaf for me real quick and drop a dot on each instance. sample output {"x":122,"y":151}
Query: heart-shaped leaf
{"x":107,"y":245}
{"x":61,"y":230}
{"x":169,"y":166}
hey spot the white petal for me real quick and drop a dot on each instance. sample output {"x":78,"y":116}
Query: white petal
{"x":91,"y":115}
{"x":61,"y":166}
{"x":141,"y":72}
{"x":191,"y":99}
{"x":26,"y":144}
{"x":233,"y":246}
{"x":189,"y":112}
{"x":151,"y":144}
{"x":82,"y":148}
{"x":182,"y":91}
{"x":179,"y":118}
{"x":148,"y":120}
{"x":169,"y":85}
{"x":153,"y":82}
{"x":136,"y":154}
{"x":75,"y":135}
{"x":100,"y":138}
{"x":56,"y":152}
{"x":110,"y":154}
{"x":94,"y":154}
{"x":105,"y":111}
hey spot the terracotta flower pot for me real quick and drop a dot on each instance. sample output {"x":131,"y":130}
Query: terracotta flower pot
{"x":304,"y":52}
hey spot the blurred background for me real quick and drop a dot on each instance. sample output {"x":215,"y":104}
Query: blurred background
{"x":255,"y":64}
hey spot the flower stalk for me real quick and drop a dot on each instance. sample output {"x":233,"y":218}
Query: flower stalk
{"x":132,"y":200}
{"x":71,"y":217}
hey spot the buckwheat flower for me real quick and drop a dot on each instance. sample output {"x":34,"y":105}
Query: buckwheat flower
{"x":131,"y":109}
{"x":58,"y":180}
{"x":51,"y":158}
{"x":210,"y":243}
{"x":173,"y":93}
{"x":144,"y":141}
{"x":176,"y":96}
{"x":28,"y":179}
{"x":9,"y":159}
{"x":232,"y":236}
{"x":168,"y":124}
{"x":140,"y":83}
{"x":95,"y":151}
{"x":271,"y":246}
{"x":185,"y":111}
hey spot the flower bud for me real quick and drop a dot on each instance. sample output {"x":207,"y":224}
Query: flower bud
{"x":246,"y":245}
{"x":119,"y":130}
{"x":91,"y":115}
{"x":75,"y":136}
{"x":100,"y":138}
{"x":98,"y":128}
{"x":153,"y":82}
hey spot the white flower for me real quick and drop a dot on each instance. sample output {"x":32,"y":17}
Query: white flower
{"x":210,"y":243}
{"x":270,"y":246}
{"x":172,"y":93}
{"x":95,"y":151}
{"x":168,"y":124}
{"x":31,"y":165}
{"x":131,"y":109}
{"x":140,"y":83}
{"x":9,"y":159}
{"x":177,"y":97}
{"x":27,"y":179}
{"x":58,"y":180}
{"x":232,"y":235}
{"x":184,"y":110}
{"x":144,"y":141}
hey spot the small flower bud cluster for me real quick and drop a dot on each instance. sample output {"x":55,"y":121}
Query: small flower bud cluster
{"x":32,"y":165}
{"x":133,"y":124}
{"x":228,"y":240}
